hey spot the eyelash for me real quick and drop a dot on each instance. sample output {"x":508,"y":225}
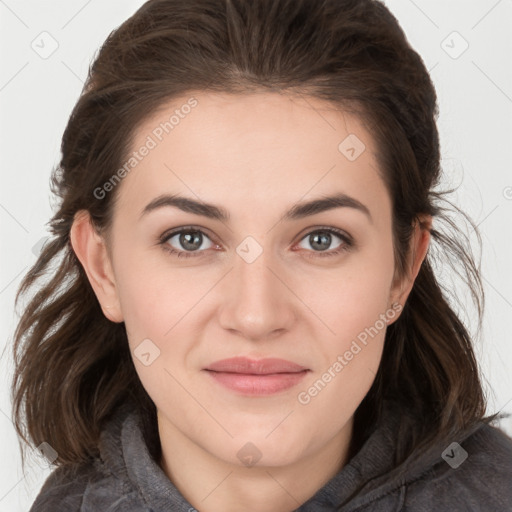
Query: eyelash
{"x":345,"y":247}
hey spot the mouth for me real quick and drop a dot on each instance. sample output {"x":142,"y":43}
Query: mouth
{"x":256,"y":377}
{"x":246,"y":365}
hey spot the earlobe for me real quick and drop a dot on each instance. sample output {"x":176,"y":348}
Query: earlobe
{"x":91,"y":250}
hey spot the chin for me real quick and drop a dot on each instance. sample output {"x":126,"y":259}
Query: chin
{"x":256,"y":451}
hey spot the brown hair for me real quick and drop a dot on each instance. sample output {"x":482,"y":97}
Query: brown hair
{"x":73,"y":365}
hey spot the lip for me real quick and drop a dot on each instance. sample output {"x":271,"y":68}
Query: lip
{"x":255,"y":367}
{"x":256,"y":377}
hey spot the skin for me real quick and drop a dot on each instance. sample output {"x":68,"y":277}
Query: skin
{"x":255,"y":155}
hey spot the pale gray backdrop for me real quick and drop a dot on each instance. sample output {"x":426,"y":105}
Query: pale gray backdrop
{"x":46,"y":48}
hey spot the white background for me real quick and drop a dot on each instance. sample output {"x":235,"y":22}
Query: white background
{"x":37,"y":96}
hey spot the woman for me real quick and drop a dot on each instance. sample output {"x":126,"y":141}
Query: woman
{"x":241,"y":311}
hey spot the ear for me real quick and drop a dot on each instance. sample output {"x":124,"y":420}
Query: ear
{"x":420,"y":241}
{"x":90,"y":248}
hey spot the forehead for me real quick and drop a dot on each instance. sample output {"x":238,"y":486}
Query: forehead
{"x":269,"y":147}
{"x":281,"y":117}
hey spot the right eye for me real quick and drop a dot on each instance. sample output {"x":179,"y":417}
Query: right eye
{"x":190,"y":239}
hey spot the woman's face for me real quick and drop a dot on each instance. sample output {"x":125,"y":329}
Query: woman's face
{"x":267,"y":280}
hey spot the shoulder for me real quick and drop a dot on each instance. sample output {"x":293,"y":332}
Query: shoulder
{"x":85,"y":488}
{"x":103,"y":483}
{"x":473,"y":475}
{"x":63,"y":489}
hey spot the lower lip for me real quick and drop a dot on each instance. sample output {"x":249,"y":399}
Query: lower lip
{"x":257,"y":385}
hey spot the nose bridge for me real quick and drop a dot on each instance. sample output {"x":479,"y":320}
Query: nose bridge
{"x":252,"y":267}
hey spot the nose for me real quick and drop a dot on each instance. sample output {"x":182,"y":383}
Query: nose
{"x":257,"y":302}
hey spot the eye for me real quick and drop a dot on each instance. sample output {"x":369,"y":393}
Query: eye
{"x":321,"y":238}
{"x":189,"y":242}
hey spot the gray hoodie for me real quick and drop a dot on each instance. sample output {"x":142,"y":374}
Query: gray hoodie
{"x":473,"y":475}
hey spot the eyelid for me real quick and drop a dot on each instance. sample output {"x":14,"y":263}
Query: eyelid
{"x":330,"y":229}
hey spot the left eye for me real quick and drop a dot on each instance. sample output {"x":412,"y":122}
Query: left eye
{"x":324,"y":237}
{"x":192,"y":239}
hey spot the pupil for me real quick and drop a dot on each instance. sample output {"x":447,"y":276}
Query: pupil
{"x":325,"y":237}
{"x":185,"y":240}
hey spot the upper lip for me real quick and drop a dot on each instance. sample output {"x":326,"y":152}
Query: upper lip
{"x":257,"y":367}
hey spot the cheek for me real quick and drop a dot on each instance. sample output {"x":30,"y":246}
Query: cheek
{"x":354,"y":304}
{"x":351,"y":352}
{"x":354,"y":296}
{"x":148,"y":298}
{"x":154,"y":308}
{"x":353,"y":348}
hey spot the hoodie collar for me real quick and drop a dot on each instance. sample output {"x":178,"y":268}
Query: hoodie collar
{"x":369,"y":476}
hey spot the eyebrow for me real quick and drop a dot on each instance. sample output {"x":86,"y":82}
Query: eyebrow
{"x":296,"y":212}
